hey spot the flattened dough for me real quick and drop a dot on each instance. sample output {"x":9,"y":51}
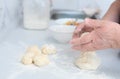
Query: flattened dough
{"x":48,"y":49}
{"x":88,"y":61}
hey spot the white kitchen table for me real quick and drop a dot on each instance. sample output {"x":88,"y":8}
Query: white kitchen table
{"x":14,"y":44}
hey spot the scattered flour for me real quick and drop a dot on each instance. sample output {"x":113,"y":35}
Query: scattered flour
{"x":57,"y":71}
{"x":54,"y":67}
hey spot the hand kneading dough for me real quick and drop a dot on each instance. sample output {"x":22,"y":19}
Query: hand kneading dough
{"x":88,"y":60}
{"x":41,"y":60}
{"x":30,"y":54}
{"x":48,"y":49}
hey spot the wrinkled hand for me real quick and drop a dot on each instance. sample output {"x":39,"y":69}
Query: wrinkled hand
{"x":102,"y":35}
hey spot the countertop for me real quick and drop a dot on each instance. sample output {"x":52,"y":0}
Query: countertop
{"x":14,"y":43}
{"x":14,"y":40}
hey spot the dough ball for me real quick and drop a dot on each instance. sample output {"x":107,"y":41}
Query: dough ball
{"x":27,"y":58}
{"x":34,"y":49}
{"x":48,"y":49}
{"x":41,"y":60}
{"x":30,"y":54}
{"x":88,"y":61}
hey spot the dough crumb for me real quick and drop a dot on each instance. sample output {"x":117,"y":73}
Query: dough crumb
{"x":48,"y":49}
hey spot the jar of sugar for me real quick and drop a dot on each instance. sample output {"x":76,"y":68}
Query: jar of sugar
{"x":36,"y":14}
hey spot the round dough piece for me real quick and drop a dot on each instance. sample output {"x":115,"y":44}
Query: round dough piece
{"x":88,"y":61}
{"x":34,"y":49}
{"x":41,"y":60}
{"x":27,"y":58}
{"x":30,"y":54}
{"x":48,"y":49}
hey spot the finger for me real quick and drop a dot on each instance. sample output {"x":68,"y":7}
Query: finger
{"x":84,"y":27}
{"x":87,"y":29}
{"x":78,"y":31}
{"x":75,"y":36}
{"x":79,"y":28}
{"x":82,"y":40}
{"x":94,"y":23}
{"x":85,"y":47}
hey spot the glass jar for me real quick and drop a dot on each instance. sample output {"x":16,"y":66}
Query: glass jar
{"x":2,"y":14}
{"x":36,"y":14}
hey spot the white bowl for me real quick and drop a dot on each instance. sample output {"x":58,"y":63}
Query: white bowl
{"x":62,"y":33}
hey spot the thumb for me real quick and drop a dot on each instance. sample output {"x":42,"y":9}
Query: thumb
{"x":94,"y":23}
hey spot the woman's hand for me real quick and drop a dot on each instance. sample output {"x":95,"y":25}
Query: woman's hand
{"x":102,"y":35}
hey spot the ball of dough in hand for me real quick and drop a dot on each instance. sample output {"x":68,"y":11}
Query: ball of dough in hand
{"x":88,"y":61}
{"x":27,"y":58}
{"x":83,"y":34}
{"x":41,"y":60}
{"x":48,"y":49}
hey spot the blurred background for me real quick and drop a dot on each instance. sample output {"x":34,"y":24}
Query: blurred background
{"x":13,"y":8}
{"x":103,"y":5}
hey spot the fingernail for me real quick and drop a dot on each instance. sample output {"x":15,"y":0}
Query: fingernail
{"x":75,"y":48}
{"x":72,"y":41}
{"x":77,"y":30}
{"x":86,"y":19}
{"x":72,"y":47}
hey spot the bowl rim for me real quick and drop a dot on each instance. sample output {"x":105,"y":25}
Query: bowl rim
{"x":51,"y":28}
